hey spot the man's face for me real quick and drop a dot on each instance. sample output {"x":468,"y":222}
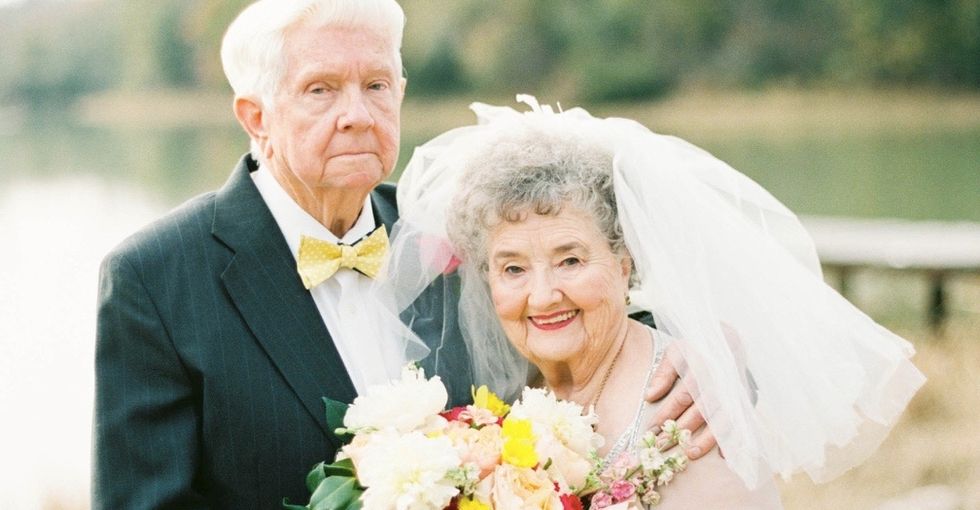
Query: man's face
{"x":335,"y":122}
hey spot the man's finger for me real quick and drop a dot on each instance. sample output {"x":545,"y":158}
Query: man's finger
{"x":663,"y":380}
{"x":701,"y":444}
{"x":673,"y":406}
{"x":691,"y":419}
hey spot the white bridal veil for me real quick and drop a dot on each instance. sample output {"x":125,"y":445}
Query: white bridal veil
{"x":723,"y":267}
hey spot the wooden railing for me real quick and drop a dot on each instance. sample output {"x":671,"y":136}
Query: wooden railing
{"x":937,"y":250}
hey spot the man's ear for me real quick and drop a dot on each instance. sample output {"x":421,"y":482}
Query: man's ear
{"x":404,"y":85}
{"x":249,"y":113}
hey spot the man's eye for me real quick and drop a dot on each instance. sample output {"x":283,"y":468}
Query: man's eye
{"x":318,"y":90}
{"x":378,"y":86}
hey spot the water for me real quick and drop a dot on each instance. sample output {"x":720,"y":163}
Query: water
{"x":69,"y":193}
{"x":915,"y":175}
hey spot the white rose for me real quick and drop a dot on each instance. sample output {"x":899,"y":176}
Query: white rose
{"x":405,"y":405}
{"x":568,"y":468}
{"x":408,"y":471}
{"x":560,"y":418}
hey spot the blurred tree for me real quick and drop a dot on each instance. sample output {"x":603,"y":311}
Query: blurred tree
{"x":903,"y":42}
{"x":778,"y":41}
{"x":439,"y":71}
{"x":173,"y":50}
{"x":51,"y":55}
{"x":585,"y":49}
{"x":158,"y":52}
{"x":205,"y":23}
{"x":656,"y":46}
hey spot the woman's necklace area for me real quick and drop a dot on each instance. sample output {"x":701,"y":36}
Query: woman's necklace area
{"x":605,"y":377}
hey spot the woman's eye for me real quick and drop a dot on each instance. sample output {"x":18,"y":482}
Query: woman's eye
{"x":571,"y":261}
{"x":513,"y":270}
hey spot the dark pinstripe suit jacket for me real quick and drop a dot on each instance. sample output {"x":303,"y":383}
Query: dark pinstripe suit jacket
{"x":212,"y":359}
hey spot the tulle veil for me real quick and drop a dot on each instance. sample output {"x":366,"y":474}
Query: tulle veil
{"x":788,"y":373}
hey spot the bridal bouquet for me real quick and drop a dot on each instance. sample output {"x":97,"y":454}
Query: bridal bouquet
{"x":404,"y":452}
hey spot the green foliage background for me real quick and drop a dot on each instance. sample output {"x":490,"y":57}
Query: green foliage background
{"x":584,"y":49}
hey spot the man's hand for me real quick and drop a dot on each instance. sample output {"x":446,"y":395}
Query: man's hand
{"x":678,"y":404}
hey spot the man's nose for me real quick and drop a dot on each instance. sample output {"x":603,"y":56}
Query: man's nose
{"x":543,"y":292}
{"x":355,"y":115}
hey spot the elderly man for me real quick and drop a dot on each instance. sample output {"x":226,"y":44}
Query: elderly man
{"x":216,"y":337}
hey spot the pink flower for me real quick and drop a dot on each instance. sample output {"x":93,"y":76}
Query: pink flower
{"x":617,"y":469}
{"x":478,"y":416}
{"x":454,"y":262}
{"x":477,"y":446}
{"x":601,"y":499}
{"x":437,"y":253}
{"x":524,"y":488}
{"x":622,"y":490}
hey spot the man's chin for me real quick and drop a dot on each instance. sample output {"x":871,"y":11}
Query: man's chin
{"x":358,"y":180}
{"x":360,"y":159}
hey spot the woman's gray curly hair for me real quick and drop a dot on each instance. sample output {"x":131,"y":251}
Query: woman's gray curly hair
{"x":532,"y":170}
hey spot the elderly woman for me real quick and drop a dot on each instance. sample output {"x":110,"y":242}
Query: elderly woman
{"x":560,"y":220}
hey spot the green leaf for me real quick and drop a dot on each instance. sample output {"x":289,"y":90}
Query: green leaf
{"x":335,"y":418}
{"x":287,"y":506}
{"x":357,"y":504}
{"x":323,"y":470}
{"x":317,"y":474}
{"x":335,"y":493}
{"x":343,"y":467}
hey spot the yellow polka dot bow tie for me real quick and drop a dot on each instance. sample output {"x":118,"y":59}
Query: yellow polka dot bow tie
{"x":319,"y":260}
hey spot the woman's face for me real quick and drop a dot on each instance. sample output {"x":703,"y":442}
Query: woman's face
{"x":558,"y":289}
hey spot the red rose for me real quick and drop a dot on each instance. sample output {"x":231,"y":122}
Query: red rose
{"x":571,"y":502}
{"x":453,"y":414}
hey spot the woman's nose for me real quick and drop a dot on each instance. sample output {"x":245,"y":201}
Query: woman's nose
{"x":543,"y":292}
{"x":355,"y":115}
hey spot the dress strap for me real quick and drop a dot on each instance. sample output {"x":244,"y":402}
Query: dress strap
{"x":629,"y":436}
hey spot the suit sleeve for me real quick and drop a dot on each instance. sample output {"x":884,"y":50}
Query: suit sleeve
{"x":146,"y":424}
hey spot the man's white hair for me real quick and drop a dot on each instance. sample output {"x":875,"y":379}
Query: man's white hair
{"x":252,"y":49}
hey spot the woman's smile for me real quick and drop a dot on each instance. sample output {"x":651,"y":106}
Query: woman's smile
{"x":553,"y":321}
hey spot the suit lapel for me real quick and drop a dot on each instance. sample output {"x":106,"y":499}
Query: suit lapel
{"x":384,"y":207}
{"x":262,"y":282}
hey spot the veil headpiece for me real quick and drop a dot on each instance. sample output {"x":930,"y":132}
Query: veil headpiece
{"x":789,"y":375}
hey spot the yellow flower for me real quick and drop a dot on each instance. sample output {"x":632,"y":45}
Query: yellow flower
{"x":486,"y":399}
{"x":472,"y":504}
{"x":519,"y":440}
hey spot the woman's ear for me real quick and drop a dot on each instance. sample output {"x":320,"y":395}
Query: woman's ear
{"x":627,"y":265}
{"x":627,"y":262}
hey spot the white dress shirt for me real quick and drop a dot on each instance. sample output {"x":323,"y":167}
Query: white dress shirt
{"x":343,"y":299}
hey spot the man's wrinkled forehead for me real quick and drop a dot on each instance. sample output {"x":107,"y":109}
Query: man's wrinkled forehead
{"x":317,"y":35}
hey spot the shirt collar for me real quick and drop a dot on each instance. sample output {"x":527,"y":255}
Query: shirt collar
{"x":294,"y":222}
